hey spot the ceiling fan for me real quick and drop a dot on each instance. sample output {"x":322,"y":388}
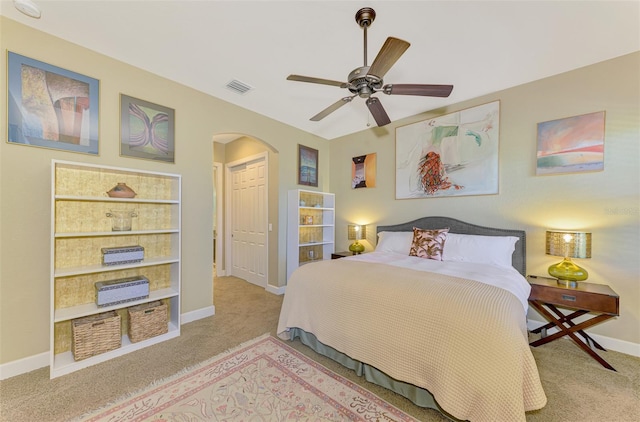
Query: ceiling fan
{"x":367,"y":80}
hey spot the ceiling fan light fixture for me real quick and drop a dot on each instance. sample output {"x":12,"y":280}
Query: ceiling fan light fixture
{"x":28,"y":8}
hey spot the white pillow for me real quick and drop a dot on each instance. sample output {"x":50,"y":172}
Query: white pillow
{"x":496,"y":250}
{"x":398,"y":242}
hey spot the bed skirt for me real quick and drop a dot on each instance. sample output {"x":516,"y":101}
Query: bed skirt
{"x":419,"y":396}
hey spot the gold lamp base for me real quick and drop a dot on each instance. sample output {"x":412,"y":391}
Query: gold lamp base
{"x":568,"y":273}
{"x":356,"y":247}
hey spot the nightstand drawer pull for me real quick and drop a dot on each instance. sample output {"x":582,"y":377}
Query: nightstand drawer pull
{"x":569,"y":298}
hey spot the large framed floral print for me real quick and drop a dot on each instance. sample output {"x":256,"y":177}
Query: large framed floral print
{"x":451,"y":155}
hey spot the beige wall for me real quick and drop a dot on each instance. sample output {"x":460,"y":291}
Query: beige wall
{"x":25,"y":181}
{"x":607,"y":203}
{"x":218,"y":152}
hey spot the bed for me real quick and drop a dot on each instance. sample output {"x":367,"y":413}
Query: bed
{"x":447,"y":329}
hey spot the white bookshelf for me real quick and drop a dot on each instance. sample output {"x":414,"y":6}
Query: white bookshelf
{"x":80,"y":228}
{"x":311,"y":227}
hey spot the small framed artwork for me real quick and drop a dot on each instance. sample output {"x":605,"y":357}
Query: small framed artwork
{"x":363,"y":171}
{"x":147,"y":130}
{"x":570,"y":145}
{"x":307,"y":166}
{"x":51,"y":107}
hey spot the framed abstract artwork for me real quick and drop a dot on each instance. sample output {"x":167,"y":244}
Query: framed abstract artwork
{"x":363,"y":171}
{"x":51,"y":107}
{"x":451,"y":155}
{"x":571,"y":145}
{"x":147,"y":130}
{"x":307,"y":166}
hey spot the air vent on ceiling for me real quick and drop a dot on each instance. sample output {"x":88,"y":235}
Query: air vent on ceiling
{"x":239,"y":87}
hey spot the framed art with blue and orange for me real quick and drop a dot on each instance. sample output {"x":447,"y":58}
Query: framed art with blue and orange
{"x":51,"y":107}
{"x":147,"y":130}
{"x":307,"y":166}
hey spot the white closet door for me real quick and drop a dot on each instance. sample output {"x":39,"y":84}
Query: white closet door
{"x":249,"y":222}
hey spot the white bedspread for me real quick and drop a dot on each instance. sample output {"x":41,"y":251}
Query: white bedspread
{"x":463,"y":340}
{"x":505,"y":278}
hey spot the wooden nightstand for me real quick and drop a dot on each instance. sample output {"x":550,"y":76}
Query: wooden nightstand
{"x":597,"y":299}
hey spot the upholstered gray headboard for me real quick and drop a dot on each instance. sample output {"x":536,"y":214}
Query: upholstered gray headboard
{"x":519,"y":258}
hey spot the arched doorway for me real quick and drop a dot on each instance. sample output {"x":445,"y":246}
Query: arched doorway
{"x":239,"y":150}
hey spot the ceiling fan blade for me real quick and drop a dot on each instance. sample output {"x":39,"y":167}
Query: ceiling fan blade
{"x":418,"y":89}
{"x":377,"y":111}
{"x":309,"y":79}
{"x":390,"y":52}
{"x":333,"y":107}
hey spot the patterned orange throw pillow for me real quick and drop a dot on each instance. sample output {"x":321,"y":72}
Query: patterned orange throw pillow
{"x":428,"y":244}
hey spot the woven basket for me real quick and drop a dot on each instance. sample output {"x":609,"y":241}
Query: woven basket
{"x":147,"y":320}
{"x":95,"y":334}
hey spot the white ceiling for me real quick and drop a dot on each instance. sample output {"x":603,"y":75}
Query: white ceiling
{"x":478,"y":46}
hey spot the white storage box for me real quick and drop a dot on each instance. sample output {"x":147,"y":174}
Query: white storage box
{"x":113,"y":292}
{"x":122,"y":255}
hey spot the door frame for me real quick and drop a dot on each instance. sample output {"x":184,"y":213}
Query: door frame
{"x":220,"y":229}
{"x":228,"y":248}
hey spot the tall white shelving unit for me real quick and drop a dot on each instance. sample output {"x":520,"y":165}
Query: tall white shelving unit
{"x":311,"y":227}
{"x":80,"y":228}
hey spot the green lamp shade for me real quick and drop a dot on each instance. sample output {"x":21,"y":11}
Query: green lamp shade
{"x":356,"y":247}
{"x":568,"y":270}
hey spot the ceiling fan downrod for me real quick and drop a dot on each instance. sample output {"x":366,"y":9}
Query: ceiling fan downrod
{"x":364,"y":18}
{"x":359,"y":82}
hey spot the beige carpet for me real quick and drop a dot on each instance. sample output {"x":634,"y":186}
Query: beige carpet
{"x":577,"y":387}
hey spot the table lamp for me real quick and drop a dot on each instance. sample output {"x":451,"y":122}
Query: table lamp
{"x":568,"y":245}
{"x":356,"y":232}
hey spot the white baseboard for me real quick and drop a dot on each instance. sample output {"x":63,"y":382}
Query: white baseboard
{"x":31,"y":363}
{"x":275,"y":289}
{"x":22,"y":366}
{"x":608,"y":343}
{"x":197,"y":314}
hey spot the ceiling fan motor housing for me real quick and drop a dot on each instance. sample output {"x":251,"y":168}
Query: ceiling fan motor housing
{"x":363,"y":84}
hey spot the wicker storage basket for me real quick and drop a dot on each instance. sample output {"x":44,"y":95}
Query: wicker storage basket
{"x":147,"y":320}
{"x":95,"y":334}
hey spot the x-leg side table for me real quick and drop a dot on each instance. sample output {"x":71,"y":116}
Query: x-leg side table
{"x":598,"y":299}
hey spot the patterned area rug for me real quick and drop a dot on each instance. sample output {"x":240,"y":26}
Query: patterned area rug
{"x":261,"y":380}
